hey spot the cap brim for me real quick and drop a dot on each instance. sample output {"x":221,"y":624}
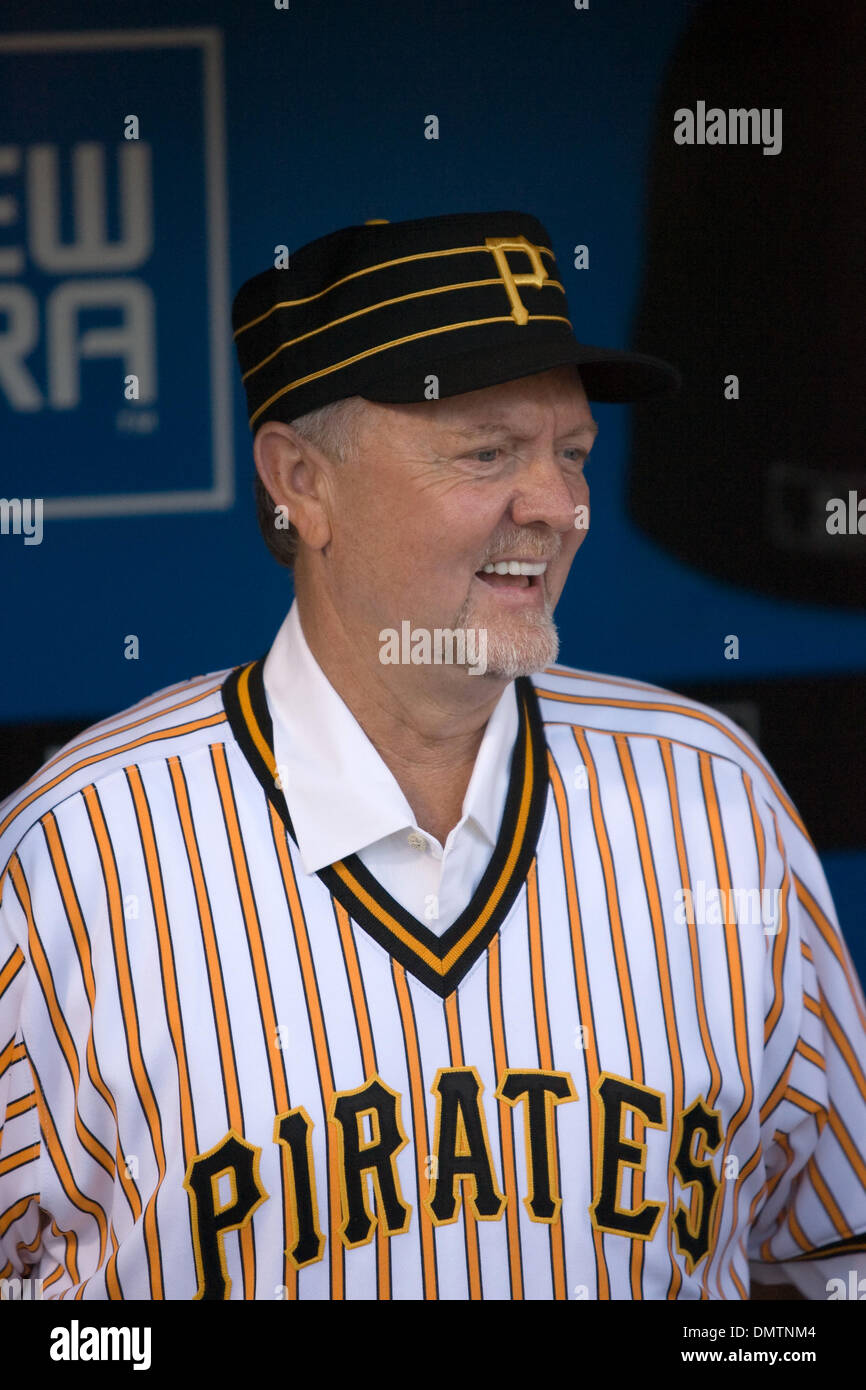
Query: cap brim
{"x":608,"y":376}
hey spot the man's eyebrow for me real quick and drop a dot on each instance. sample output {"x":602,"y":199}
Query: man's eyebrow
{"x":589,"y":427}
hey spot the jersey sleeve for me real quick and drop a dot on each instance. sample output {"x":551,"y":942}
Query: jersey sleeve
{"x":20,"y":1138}
{"x":813,"y":1093}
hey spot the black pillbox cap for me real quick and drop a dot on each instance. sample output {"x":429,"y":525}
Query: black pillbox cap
{"x":377,"y":310}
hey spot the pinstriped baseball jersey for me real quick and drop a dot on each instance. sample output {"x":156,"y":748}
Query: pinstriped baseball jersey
{"x":633,"y":1064}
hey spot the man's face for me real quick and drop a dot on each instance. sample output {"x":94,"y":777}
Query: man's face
{"x":440,"y":489}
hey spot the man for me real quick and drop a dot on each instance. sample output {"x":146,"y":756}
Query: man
{"x":384,"y":967}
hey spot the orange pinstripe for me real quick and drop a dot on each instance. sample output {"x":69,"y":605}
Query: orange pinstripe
{"x":419,"y":1123}
{"x":155,"y":737}
{"x":812,"y":1005}
{"x":685,"y":880}
{"x":12,"y":1052}
{"x":67,"y":1180}
{"x":811,"y":1054}
{"x":253,"y":928}
{"x":166,"y":961}
{"x":735,"y":976}
{"x":834,"y":1028}
{"x":368,"y":1055}
{"x":31,"y":1247}
{"x":126,"y":996}
{"x":320,"y":1044}
{"x":82,"y":943}
{"x":71,"y":1258}
{"x":545,"y":1057}
{"x":666,"y":747}
{"x":103,"y":730}
{"x":658,"y":927}
{"x":623,"y":977}
{"x":10,"y":969}
{"x":779,"y":948}
{"x":509,"y":1175}
{"x":52,"y":1277}
{"x":778,"y":1092}
{"x":855,"y":1158}
{"x":221,"y":1020}
{"x":16,"y":1211}
{"x":356,"y":986}
{"x":19,"y":1107}
{"x":832,"y":941}
{"x":797,"y":1231}
{"x":782,"y":1140}
{"x":809,"y":1104}
{"x":470,"y":1225}
{"x":112,"y":1281}
{"x":218,"y":996}
{"x":593,"y":1070}
{"x":827,"y":1199}
{"x":19,"y":1157}
{"x":780,"y":942}
{"x":65,"y":1042}
{"x":666,"y":707}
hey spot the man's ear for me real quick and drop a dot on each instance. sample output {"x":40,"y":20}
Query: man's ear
{"x":297,"y":476}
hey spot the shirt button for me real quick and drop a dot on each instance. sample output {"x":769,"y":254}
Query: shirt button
{"x":416,"y":841}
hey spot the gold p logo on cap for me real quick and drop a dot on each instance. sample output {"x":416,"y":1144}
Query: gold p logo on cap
{"x":498,"y":245}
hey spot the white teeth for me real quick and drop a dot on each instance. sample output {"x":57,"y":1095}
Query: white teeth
{"x":515,"y":567}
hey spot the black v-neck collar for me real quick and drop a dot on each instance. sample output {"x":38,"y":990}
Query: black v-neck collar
{"x":440,"y":962}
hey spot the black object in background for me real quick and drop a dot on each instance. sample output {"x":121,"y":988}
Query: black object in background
{"x":754,"y":268}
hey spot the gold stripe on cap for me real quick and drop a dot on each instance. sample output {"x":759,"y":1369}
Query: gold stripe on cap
{"x":383,"y":304}
{"x":397,"y":342}
{"x":368,"y":270}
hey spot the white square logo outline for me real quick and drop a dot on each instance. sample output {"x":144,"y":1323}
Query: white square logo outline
{"x":220,"y":495}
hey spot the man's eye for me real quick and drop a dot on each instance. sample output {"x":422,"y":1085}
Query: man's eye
{"x":578,"y":455}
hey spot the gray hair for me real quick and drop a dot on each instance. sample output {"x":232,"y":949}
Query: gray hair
{"x":334,"y":430}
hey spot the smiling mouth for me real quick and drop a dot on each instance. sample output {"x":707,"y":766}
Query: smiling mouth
{"x":509,"y":581}
{"x":513,"y":574}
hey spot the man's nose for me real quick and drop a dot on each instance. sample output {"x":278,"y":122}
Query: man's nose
{"x":545,"y":493}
